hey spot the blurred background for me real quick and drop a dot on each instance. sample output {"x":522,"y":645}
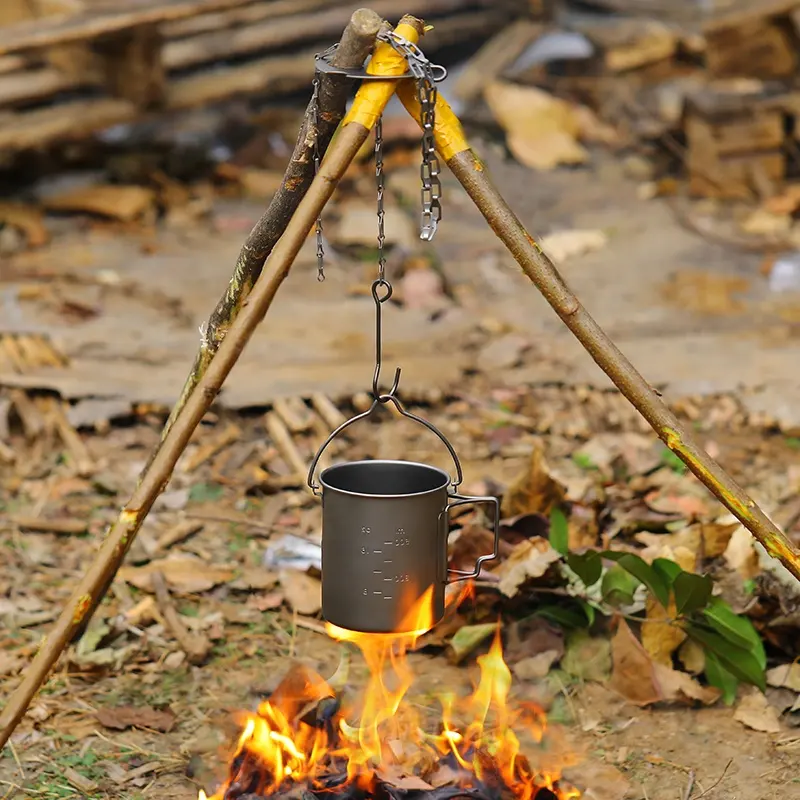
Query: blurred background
{"x":652,"y":144}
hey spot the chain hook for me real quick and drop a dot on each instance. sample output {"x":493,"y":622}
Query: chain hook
{"x":380,"y":299}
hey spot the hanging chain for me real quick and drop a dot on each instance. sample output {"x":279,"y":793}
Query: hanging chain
{"x":422,"y":69}
{"x":379,"y":181}
{"x":314,"y":120}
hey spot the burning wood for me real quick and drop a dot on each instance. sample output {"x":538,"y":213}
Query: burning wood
{"x":304,"y":740}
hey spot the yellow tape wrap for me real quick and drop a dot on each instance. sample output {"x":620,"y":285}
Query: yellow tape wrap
{"x":372,"y":96}
{"x":450,"y":139}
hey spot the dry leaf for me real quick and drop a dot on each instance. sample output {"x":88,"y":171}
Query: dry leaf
{"x":535,"y":490}
{"x":26,"y":219}
{"x":598,"y":781}
{"x":261,"y":183}
{"x":754,"y":711}
{"x":395,"y":777}
{"x":717,"y":537}
{"x":660,"y":638}
{"x":740,"y":554}
{"x":786,"y":676}
{"x":182,"y":574}
{"x":122,"y":717}
{"x":763,"y":222}
{"x":787,"y":202}
{"x":117,"y":201}
{"x":541,"y":130}
{"x":422,"y":288}
{"x":535,"y":667}
{"x":679,"y":687}
{"x":529,"y":559}
{"x":563,"y":245}
{"x":692,"y":656}
{"x":302,"y":592}
{"x":633,"y":675}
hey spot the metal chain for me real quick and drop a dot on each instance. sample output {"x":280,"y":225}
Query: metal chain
{"x":379,"y":180}
{"x":314,"y":121}
{"x":422,"y":69}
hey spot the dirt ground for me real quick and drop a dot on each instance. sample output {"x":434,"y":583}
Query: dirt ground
{"x":62,"y":751}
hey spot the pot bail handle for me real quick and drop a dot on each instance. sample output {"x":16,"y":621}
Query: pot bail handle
{"x":379,"y":401}
{"x":463,"y":500}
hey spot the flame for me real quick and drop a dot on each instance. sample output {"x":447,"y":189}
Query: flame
{"x":280,"y":745}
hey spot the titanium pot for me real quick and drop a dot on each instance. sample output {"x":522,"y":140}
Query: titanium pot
{"x":384,"y":543}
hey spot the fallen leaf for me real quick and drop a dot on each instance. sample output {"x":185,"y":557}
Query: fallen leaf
{"x":787,"y":202}
{"x":677,"y":686}
{"x":503,"y":352}
{"x":266,"y":602}
{"x":116,"y":201}
{"x":705,"y":292}
{"x":633,"y":675}
{"x":530,"y":559}
{"x":763,"y":222}
{"x":535,"y":490}
{"x":692,"y":656}
{"x":598,"y":781}
{"x":423,"y":288}
{"x":303,"y":593}
{"x":122,"y":717}
{"x":541,"y":130}
{"x":393,"y":776}
{"x":587,"y":657}
{"x":254,"y":578}
{"x":531,"y":636}
{"x":468,"y":638}
{"x":535,"y":667}
{"x":740,"y":554}
{"x":184,"y":573}
{"x":754,"y":711}
{"x":717,"y":537}
{"x":786,"y":676}
{"x":356,"y":226}
{"x":563,"y":245}
{"x":661,"y":638}
{"x":260,"y":183}
{"x":26,"y":219}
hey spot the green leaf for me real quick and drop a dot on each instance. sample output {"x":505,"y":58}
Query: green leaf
{"x":587,"y":609}
{"x":565,"y":616}
{"x":642,"y":571}
{"x":559,"y":531}
{"x":691,"y":591}
{"x":736,"y":629}
{"x":718,"y":676}
{"x":469,"y":638}
{"x":587,"y":566}
{"x":741,"y":663}
{"x":618,"y":586}
{"x":587,"y":657}
{"x":668,"y":570}
{"x":205,"y":492}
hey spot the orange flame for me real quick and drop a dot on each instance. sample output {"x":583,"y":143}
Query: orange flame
{"x":277,"y":747}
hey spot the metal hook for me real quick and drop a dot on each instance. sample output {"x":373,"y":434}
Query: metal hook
{"x":381,"y":283}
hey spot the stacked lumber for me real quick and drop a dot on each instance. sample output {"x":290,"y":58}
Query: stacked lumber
{"x":718,"y":89}
{"x":79,"y":66}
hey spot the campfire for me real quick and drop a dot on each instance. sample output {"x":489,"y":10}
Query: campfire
{"x":306,"y":742}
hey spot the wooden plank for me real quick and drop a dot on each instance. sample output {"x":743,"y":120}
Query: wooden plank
{"x":101,"y":22}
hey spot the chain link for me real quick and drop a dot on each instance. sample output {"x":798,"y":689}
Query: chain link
{"x":422,"y":69}
{"x":314,"y":119}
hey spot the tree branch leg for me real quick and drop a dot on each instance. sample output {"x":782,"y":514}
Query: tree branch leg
{"x":368,"y":106}
{"x":472,"y":175}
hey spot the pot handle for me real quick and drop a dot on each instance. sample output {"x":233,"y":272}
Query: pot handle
{"x":463,"y":500}
{"x":379,"y":401}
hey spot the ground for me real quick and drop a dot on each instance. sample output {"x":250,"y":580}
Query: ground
{"x":492,"y":366}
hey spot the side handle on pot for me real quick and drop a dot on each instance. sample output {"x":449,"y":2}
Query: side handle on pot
{"x":463,"y":500}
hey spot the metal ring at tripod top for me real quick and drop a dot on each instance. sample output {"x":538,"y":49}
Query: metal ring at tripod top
{"x":322,"y":64}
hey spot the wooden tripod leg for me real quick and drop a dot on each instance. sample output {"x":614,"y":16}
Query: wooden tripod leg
{"x":370,"y":101}
{"x":472,"y":174}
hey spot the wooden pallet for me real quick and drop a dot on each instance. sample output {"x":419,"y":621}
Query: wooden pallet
{"x":106,"y":62}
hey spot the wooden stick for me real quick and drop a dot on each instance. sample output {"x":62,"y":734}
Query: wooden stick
{"x":368,"y":106}
{"x":65,"y":527}
{"x":195,"y":646}
{"x":472,"y":174}
{"x":282,"y":439}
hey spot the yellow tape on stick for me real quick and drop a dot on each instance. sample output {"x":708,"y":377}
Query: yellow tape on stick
{"x":447,"y":130}
{"x":372,"y":96}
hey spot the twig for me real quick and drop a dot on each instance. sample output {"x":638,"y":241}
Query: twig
{"x":369,"y":104}
{"x":471,"y":173}
{"x":209,"y":450}
{"x":195,"y":646}
{"x":324,"y":406}
{"x":687,"y":793}
{"x":716,"y":782}
{"x":282,"y":439}
{"x":180,"y":533}
{"x":62,"y":526}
